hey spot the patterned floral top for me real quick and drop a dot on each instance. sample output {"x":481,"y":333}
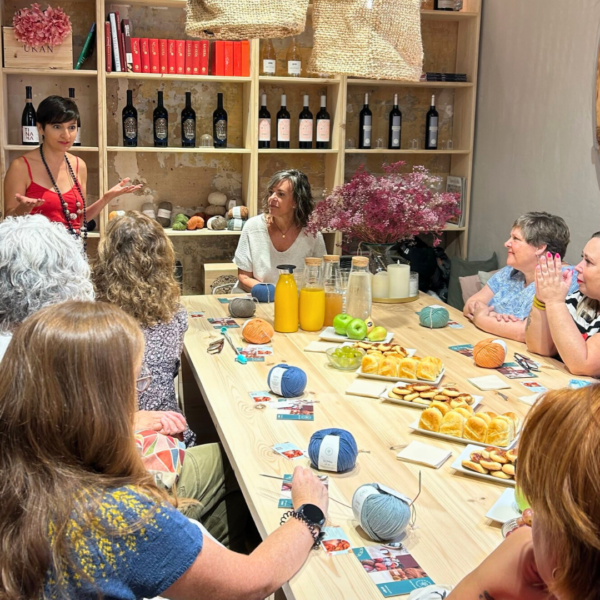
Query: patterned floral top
{"x":164,"y":343}
{"x":113,"y":561}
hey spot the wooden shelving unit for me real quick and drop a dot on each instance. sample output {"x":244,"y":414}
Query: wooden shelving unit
{"x":185,"y":176}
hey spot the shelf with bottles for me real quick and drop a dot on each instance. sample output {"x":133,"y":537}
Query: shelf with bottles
{"x":182,"y":78}
{"x":455,"y":15}
{"x":376,"y":83}
{"x":300,"y":80}
{"x":404,"y":151}
{"x":72,"y":149}
{"x":52,"y":72}
{"x":297,"y":151}
{"x":177,"y":150}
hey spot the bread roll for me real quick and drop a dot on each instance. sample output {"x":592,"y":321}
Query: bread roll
{"x":441,"y":406}
{"x":514,"y":418}
{"x":467,"y":398}
{"x":408,"y":368}
{"x":464,"y":412}
{"x":491,"y":414}
{"x":429,"y":368}
{"x":453,"y":424}
{"x":431,"y":420}
{"x":509,"y":469}
{"x":388,"y":367}
{"x":370,"y":363}
{"x":511,"y":425}
{"x":499,"y":432}
{"x":475,"y":429}
{"x":456,"y":403}
{"x":485,"y":416}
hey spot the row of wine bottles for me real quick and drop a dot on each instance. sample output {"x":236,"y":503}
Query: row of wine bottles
{"x":29,"y":130}
{"x":395,"y":126}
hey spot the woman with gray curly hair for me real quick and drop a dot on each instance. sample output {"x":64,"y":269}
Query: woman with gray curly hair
{"x":278,"y":236}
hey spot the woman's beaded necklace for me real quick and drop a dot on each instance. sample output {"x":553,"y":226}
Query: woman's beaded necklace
{"x":69,"y":216}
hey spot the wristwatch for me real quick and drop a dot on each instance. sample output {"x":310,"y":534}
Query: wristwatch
{"x":313,"y":517}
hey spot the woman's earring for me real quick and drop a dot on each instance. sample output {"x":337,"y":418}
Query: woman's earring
{"x":554,"y":571}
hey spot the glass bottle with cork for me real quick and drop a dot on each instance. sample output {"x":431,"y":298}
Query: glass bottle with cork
{"x":334,"y":298}
{"x":358,"y":295}
{"x":286,"y":300}
{"x":312,"y":296}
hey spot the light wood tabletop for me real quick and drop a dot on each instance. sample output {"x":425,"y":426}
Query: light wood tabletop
{"x":452,"y":534}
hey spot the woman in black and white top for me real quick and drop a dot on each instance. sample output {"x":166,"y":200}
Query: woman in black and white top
{"x":563,"y":323}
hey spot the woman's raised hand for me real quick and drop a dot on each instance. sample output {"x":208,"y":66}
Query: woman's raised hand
{"x":123,"y":187}
{"x":551,"y":282}
{"x":28,"y":203}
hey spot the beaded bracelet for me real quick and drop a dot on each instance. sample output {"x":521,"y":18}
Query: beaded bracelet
{"x":538,"y":303}
{"x":314,"y":531}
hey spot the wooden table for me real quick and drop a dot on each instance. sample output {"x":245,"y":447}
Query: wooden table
{"x":452,"y":534}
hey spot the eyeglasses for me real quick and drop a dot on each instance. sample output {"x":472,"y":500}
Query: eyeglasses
{"x":526,"y":363}
{"x":143,"y":381}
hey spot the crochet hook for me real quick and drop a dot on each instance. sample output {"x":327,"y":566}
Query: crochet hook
{"x":238,"y":357}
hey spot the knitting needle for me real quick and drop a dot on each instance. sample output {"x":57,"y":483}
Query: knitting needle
{"x":503,"y":396}
{"x":419,"y":492}
{"x":282,"y":479}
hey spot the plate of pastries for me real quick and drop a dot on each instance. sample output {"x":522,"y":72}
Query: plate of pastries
{"x":425,"y":395}
{"x":493,"y":464}
{"x":411,"y":369}
{"x":464,"y":425}
{"x":383,"y":348}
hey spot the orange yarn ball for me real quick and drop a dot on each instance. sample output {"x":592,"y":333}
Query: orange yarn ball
{"x":257,"y":331}
{"x":490,"y":353}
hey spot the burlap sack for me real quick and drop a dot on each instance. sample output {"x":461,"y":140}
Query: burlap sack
{"x":379,"y":39}
{"x":245,"y":19}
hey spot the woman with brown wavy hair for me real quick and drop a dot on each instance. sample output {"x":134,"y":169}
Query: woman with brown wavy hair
{"x":134,"y":270}
{"x":81,"y":517}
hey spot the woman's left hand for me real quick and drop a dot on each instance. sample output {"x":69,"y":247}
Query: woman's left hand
{"x":551,"y":282}
{"x":123,"y":187}
{"x":481,"y":310}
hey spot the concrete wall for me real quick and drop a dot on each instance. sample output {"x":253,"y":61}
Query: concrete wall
{"x":535,"y":145}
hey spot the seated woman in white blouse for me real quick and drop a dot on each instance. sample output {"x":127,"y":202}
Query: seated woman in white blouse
{"x":277,"y":236}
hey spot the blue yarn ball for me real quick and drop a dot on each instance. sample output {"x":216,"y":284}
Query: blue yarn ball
{"x":382,"y":516}
{"x":264,"y":292}
{"x":287,"y":381}
{"x":347,"y":453}
{"x":434,"y":317}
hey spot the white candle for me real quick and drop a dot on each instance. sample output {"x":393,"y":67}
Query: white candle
{"x":380,"y":285}
{"x":399,"y":278}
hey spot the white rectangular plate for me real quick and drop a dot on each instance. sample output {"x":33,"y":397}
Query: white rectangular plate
{"x":330,"y":335}
{"x":476,"y":399}
{"x":396,"y":379}
{"x":505,"y":508}
{"x":442,"y":436}
{"x":465,"y":455}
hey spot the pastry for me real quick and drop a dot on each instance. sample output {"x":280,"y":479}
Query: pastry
{"x":441,"y":406}
{"x":500,"y":475}
{"x":421,"y":400}
{"x":429,"y":368}
{"x":511,"y":425}
{"x":451,"y":392}
{"x":490,"y":465}
{"x":456,"y":403}
{"x":509,"y":469}
{"x":453,"y":424}
{"x":499,"y":431}
{"x":498,"y":456}
{"x":467,"y":398}
{"x":408,"y":368}
{"x":431,"y":419}
{"x":393,"y":394}
{"x":464,"y":412}
{"x":492,"y":415}
{"x":514,"y":418}
{"x":512,"y":455}
{"x":473,"y":466}
{"x":411,"y":397}
{"x":388,"y":367}
{"x":475,"y":429}
{"x":422,"y":387}
{"x":402,"y":391}
{"x":486,"y":451}
{"x":370,"y":363}
{"x":441,"y":398}
{"x":430,"y":394}
{"x":485,"y":416}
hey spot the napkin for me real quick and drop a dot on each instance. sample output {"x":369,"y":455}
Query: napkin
{"x":316,"y":346}
{"x":424,"y":454}
{"x":367,"y":387}
{"x":528,"y":399}
{"x":490,"y":382}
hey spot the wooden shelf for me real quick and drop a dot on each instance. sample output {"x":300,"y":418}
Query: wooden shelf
{"x":93,"y":234}
{"x":171,"y":150}
{"x":175,"y":77}
{"x":21,"y":148}
{"x":296,"y":151}
{"x":300,"y":80}
{"x":448,"y":15}
{"x":54,"y":72}
{"x":412,"y":84}
{"x":388,"y":151}
{"x":199,"y":232}
{"x":450,"y":227}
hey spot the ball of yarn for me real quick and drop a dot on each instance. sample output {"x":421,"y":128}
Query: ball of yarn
{"x":384,"y":517}
{"x":195,"y":222}
{"x":490,"y":353}
{"x":148,"y":210}
{"x":264,"y":292}
{"x":257,"y":331}
{"x":163,"y":216}
{"x":216,"y":223}
{"x":113,"y":214}
{"x":235,"y":224}
{"x":242,"y":308}
{"x":434,"y":317}
{"x":217,"y":199}
{"x":213,"y":210}
{"x":287,"y":381}
{"x":326,"y":443}
{"x":238,"y":212}
{"x":179,"y":226}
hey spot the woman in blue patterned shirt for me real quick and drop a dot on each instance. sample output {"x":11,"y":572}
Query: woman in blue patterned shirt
{"x":504,"y":303}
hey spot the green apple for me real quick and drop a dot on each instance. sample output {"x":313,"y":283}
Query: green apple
{"x":357,"y":329}
{"x":378,"y":334}
{"x":340,"y":322}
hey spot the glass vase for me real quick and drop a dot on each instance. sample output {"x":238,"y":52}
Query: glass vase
{"x":379,"y":256}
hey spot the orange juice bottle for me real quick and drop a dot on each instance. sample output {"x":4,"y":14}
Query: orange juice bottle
{"x":334,"y":298}
{"x":312,"y":296}
{"x":286,"y":300}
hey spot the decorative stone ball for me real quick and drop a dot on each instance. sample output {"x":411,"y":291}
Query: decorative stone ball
{"x":490,"y":353}
{"x":213,"y":210}
{"x":217,"y":199}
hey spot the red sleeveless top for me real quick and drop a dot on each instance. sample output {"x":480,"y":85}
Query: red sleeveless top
{"x":52,"y":207}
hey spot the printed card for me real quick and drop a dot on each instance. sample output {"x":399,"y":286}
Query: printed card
{"x":196,"y":315}
{"x":534,"y":387}
{"x":515,"y":371}
{"x":335,"y":541}
{"x":464,"y":349}
{"x":263,"y":396}
{"x":394,"y":571}
{"x":454,"y":325}
{"x":289,"y":450}
{"x":223,"y":322}
{"x":575,"y":384}
{"x":256,"y":352}
{"x":296,"y":411}
{"x":224,"y":300}
{"x":285,"y":498}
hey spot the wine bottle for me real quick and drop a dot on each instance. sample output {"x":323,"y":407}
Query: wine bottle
{"x":305,"y":129}
{"x":130,"y":122}
{"x":220,"y":124}
{"x":365,"y":124}
{"x":431,"y":127}
{"x":268,"y":59}
{"x":395,"y":128}
{"x":29,"y":131}
{"x":294,"y":60}
{"x":323,"y":125}
{"x":264,"y":124}
{"x":161,"y":124}
{"x":188,"y":123}
{"x":77,"y":141}
{"x":443,"y":5}
{"x":283,"y":125}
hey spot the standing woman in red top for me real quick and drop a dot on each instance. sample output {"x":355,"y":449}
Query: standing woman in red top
{"x":49,"y":180}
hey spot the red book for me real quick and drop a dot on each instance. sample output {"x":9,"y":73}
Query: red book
{"x":189,"y":57}
{"x":204,"y":54}
{"x":245,"y":58}
{"x":228,"y":59}
{"x":126,"y":26}
{"x":145,"y":52}
{"x":196,"y":58}
{"x":163,"y":54}
{"x":154,"y":59}
{"x":135,"y":52}
{"x":219,"y":58}
{"x":237,"y":59}
{"x":180,"y":56}
{"x":171,"y":60}
{"x":107,"y":47}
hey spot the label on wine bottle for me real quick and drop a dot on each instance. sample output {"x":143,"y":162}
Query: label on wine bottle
{"x":269,"y":66}
{"x":160,"y":128}
{"x":445,"y":4}
{"x":264,"y":130}
{"x":395,"y":132}
{"x":323,"y":130}
{"x":283,"y":130}
{"x":432,"y":134}
{"x":367,"y":131}
{"x":130,"y":128}
{"x":306,"y":130}
{"x":189,"y":129}
{"x":78,"y":136}
{"x":221,"y":130}
{"x":30,"y":134}
{"x":294,"y":67}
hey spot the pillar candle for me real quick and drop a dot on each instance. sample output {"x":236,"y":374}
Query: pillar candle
{"x":399,"y":277}
{"x":380,"y":285}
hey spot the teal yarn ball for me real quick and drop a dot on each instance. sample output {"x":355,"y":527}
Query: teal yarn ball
{"x":434,"y":317}
{"x":287,"y":381}
{"x":347,"y":450}
{"x":382,"y":516}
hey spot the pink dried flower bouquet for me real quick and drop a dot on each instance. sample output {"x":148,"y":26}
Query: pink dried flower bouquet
{"x":36,"y":27}
{"x":386,"y":209}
